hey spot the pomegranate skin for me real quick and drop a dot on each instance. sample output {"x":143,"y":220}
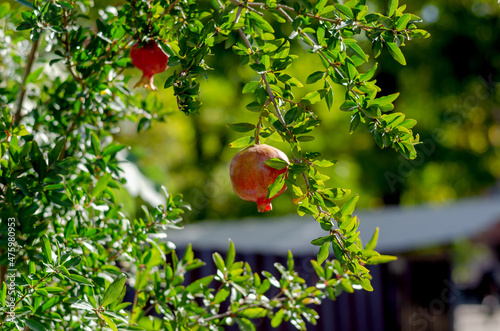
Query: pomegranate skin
{"x":151,"y":60}
{"x":251,"y":177}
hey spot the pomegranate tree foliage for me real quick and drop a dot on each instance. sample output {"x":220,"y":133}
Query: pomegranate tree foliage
{"x":64,"y":91}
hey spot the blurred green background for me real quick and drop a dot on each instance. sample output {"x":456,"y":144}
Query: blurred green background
{"x":450,"y":86}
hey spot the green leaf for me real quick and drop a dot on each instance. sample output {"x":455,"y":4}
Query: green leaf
{"x":245,"y":324}
{"x":3,"y":294}
{"x":290,"y":261}
{"x":254,"y":106}
{"x":311,"y":98}
{"x":56,"y":151}
{"x":349,"y":105}
{"x":34,"y":325}
{"x":394,"y":119}
{"x":33,"y":76}
{"x":320,"y":271}
{"x":47,"y":249}
{"x":347,"y":224}
{"x":377,"y":47}
{"x":277,"y":318}
{"x":339,"y":253}
{"x":101,"y":185}
{"x":393,"y":5}
{"x":242,"y":142}
{"x":324,"y":163}
{"x":221,"y":295}
{"x":255,"y":312}
{"x":357,"y":50}
{"x":370,"y":73}
{"x":396,"y":53}
{"x":109,"y":322}
{"x":291,"y":115}
{"x":323,"y":253}
{"x":199,"y":285}
{"x":419,"y":33}
{"x":329,"y":98}
{"x":320,"y":34}
{"x":355,"y":119}
{"x":258,"y":67}
{"x":305,"y":138}
{"x":95,"y":145}
{"x":219,"y":262}
{"x":314,"y":77}
{"x":53,"y":289}
{"x":114,"y":290}
{"x":275,"y":187}
{"x":348,"y":207}
{"x":345,"y":10}
{"x":385,"y":100}
{"x":112,"y":149}
{"x":241,"y":127}
{"x":408,"y":123}
{"x":403,"y":21}
{"x":365,"y":283}
{"x":370,"y":245}
{"x":20,"y":131}
{"x":250,"y":87}
{"x":25,"y":3}
{"x":80,"y":279}
{"x":277,"y":163}
{"x":382,"y":259}
{"x":261,"y":22}
{"x":81,"y":304}
{"x":230,"y":255}
{"x":321,"y":240}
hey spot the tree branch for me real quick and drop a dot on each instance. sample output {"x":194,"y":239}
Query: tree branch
{"x":288,"y":8}
{"x":22,"y":89}
{"x":302,"y":33}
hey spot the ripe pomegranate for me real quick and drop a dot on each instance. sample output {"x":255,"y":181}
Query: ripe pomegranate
{"x":251,"y":177}
{"x":151,"y":60}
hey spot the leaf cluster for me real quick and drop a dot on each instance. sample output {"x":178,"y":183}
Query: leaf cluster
{"x":78,"y":255}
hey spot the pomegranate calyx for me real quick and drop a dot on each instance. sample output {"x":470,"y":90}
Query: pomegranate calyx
{"x":147,"y":82}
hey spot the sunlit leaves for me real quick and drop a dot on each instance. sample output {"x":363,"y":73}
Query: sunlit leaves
{"x":73,"y":174}
{"x":396,"y":53}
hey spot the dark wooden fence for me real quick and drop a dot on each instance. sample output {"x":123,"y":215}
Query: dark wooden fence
{"x":412,"y":294}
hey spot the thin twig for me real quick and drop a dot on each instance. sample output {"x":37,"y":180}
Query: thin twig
{"x":242,"y":5}
{"x":22,"y":89}
{"x":166,"y":12}
{"x":262,"y":75}
{"x":302,"y":33}
{"x":252,"y":305}
{"x":34,"y":286}
{"x":288,"y":8}
{"x":257,"y":131}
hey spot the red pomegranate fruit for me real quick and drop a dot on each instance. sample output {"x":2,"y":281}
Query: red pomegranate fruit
{"x":251,"y":177}
{"x":151,"y":60}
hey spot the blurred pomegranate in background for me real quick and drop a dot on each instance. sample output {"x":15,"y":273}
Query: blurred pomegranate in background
{"x":151,"y":60}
